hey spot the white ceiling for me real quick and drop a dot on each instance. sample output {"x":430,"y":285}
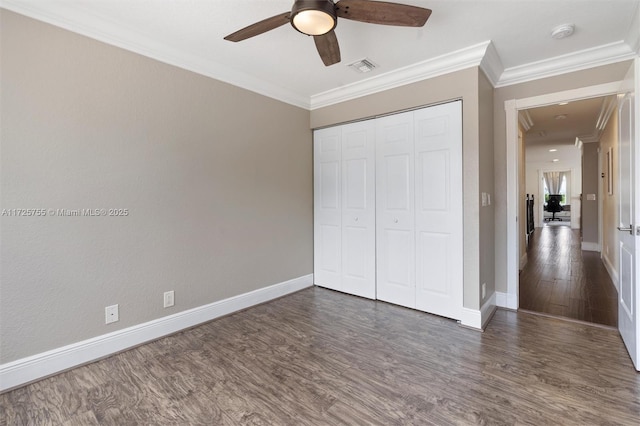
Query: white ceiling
{"x":561,"y":124}
{"x":510,"y":39}
{"x":584,"y":119}
{"x":568,"y":156}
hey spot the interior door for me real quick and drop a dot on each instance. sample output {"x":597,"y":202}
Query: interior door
{"x":327,"y":228}
{"x":395,"y":217}
{"x":438,"y":207}
{"x":629,"y":213}
{"x":358,"y":209}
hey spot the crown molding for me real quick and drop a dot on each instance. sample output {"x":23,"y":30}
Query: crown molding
{"x":606,"y":109}
{"x":444,"y":64}
{"x":593,"y":138}
{"x":99,"y":28}
{"x":113,"y":34}
{"x":482,"y":54}
{"x":633,"y":36}
{"x":575,"y":61}
{"x":491,"y":64}
{"x":524,"y":118}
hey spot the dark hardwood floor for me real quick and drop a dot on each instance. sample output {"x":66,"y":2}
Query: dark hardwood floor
{"x":562,"y":280}
{"x":319,"y":357}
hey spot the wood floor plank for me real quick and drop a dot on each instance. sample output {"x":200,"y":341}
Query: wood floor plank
{"x":562,"y":280}
{"x":319,"y":357}
{"x":82,"y":419}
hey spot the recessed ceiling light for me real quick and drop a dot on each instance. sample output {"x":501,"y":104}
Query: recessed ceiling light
{"x":553,"y":150}
{"x":562,"y":31}
{"x":560,"y":117}
{"x":555,"y":160}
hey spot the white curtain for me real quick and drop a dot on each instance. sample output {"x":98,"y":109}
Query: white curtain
{"x":553,"y":181}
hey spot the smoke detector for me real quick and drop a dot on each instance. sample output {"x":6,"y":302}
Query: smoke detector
{"x":363,"y":65}
{"x":562,"y":31}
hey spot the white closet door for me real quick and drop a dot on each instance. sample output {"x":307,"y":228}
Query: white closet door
{"x":438,"y":185}
{"x":327,"y":228}
{"x":358,"y":209}
{"x":395,"y":248}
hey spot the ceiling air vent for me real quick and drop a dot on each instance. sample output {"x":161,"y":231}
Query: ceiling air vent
{"x":363,"y":65}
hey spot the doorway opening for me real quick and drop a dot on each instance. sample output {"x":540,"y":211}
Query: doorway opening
{"x":562,"y":273}
{"x":515,"y":181}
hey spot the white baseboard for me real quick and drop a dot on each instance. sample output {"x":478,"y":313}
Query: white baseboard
{"x":478,"y":319}
{"x":487,"y":310}
{"x":523,"y":260}
{"x":39,"y":366}
{"x":587,"y":246}
{"x":471,"y":318}
{"x":506,"y":300}
{"x":613,"y":273}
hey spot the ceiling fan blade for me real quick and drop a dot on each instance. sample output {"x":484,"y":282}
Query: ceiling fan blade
{"x":380,"y":12}
{"x":328,"y":48}
{"x":259,"y":27}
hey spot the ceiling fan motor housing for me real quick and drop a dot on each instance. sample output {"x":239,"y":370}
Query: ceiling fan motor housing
{"x":326,"y":7}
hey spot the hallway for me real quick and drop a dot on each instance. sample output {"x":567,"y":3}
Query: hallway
{"x":560,"y":279}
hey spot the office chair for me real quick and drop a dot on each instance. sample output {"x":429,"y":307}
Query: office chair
{"x":553,"y":206}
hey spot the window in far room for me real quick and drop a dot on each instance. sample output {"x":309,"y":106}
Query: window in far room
{"x":562,"y":191}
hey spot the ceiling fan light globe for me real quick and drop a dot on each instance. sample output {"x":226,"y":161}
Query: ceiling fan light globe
{"x":313,"y":17}
{"x":313,"y":22}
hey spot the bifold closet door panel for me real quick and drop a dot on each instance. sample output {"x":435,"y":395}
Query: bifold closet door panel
{"x":388,"y":209}
{"x":344,"y":208}
{"x":395,"y":230}
{"x":327,"y":228}
{"x":438,"y":209}
{"x":358,"y":209}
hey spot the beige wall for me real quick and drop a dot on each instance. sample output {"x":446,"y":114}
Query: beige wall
{"x":487,"y":224}
{"x":574,"y":80}
{"x":590,"y":185}
{"x":458,"y":85}
{"x":217,"y":181}
{"x":610,"y":235}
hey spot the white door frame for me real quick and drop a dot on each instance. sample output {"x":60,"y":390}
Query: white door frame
{"x":512,"y":107}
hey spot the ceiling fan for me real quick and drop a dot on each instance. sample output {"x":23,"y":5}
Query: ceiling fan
{"x":318,"y":18}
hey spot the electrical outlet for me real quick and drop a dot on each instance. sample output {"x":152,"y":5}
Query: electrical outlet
{"x":111,"y":314}
{"x":169,"y":299}
{"x":484,"y":290}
